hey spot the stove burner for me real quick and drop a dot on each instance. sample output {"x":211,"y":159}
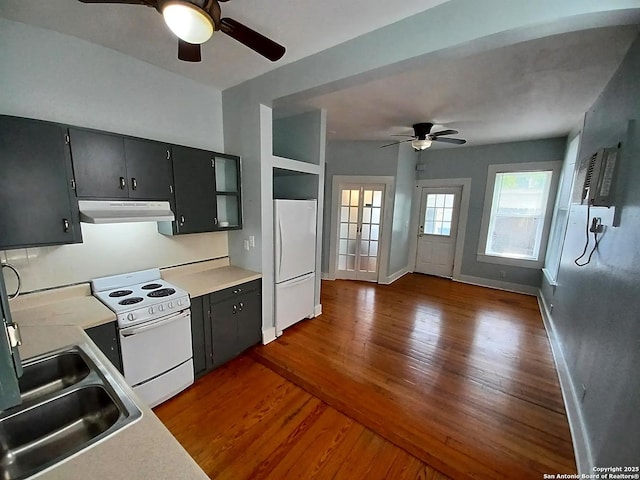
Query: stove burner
{"x":120,"y":293}
{"x":130,"y":301}
{"x":163,"y":292}
{"x":151,"y":286}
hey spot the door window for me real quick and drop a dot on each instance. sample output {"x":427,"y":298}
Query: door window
{"x":438,"y":214}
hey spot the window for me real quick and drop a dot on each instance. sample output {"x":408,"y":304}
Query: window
{"x":438,"y":213}
{"x":561,"y":213}
{"x":518,"y":203}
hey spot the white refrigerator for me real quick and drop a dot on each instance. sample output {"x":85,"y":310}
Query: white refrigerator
{"x":295,"y":261}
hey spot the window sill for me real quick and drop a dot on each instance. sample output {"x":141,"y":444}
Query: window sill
{"x":513,"y":262}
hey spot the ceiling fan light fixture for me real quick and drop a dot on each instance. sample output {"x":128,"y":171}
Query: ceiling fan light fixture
{"x":421,"y":144}
{"x":187,"y":21}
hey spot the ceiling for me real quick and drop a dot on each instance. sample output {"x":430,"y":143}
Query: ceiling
{"x":534,"y":89}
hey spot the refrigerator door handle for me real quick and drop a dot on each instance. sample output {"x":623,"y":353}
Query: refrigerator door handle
{"x":279,"y":245}
{"x":297,"y":281}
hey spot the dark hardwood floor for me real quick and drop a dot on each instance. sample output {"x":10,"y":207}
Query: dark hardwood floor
{"x":244,"y":421}
{"x":461,"y":378}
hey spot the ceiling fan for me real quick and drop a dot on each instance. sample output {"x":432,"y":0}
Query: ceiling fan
{"x":194,"y":21}
{"x":422,"y":137}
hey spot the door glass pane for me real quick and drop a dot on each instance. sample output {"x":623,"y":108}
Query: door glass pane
{"x":375,"y":215}
{"x":352,"y":247}
{"x":343,"y":247}
{"x":355,"y":196}
{"x":344,"y":214}
{"x":377,"y":198}
{"x":368,"y":197}
{"x":366,"y":215}
{"x":364,"y":248}
{"x":351,"y":262}
{"x":366,"y":231}
{"x":373,"y":249}
{"x":353,"y":231}
{"x":375,"y":230}
{"x":353,"y":214}
{"x":344,"y":230}
{"x":345,"y":197}
{"x":372,"y":264}
{"x":342,"y":262}
{"x":438,"y":214}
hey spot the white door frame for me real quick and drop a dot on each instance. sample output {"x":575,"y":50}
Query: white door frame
{"x":387,"y":218}
{"x":465,"y":184}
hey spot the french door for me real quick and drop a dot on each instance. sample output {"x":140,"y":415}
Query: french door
{"x":359,"y":231}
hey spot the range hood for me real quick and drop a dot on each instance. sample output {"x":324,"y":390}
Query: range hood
{"x":124,"y":211}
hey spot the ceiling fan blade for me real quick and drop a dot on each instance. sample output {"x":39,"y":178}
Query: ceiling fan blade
{"x":396,"y":143}
{"x":151,"y":3}
{"x":189,"y":52}
{"x":457,"y":141}
{"x":252,"y":39}
{"x":444,"y":132}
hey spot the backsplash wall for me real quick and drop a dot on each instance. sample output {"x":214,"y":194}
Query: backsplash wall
{"x":108,"y":250}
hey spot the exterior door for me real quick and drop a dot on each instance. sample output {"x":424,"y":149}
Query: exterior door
{"x":439,"y":210}
{"x":359,"y":231}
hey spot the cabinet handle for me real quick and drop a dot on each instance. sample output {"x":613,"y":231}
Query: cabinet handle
{"x":237,"y":290}
{"x":240,"y":305}
{"x":170,"y":188}
{"x":134,"y":183}
{"x":123,"y":183}
{"x":65,"y":225}
{"x":213,"y":163}
{"x":235,"y":309}
{"x":215,"y":221}
{"x":181,"y":220}
{"x":168,"y":154}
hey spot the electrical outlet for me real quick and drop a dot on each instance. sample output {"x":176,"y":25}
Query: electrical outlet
{"x":252,"y":241}
{"x":246,"y":245}
{"x":502,"y":274}
{"x":596,"y":225}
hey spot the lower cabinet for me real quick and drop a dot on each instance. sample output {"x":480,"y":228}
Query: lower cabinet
{"x":107,"y":340}
{"x":224,"y":324}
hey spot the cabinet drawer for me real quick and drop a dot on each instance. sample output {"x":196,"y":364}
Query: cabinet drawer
{"x":236,"y":291}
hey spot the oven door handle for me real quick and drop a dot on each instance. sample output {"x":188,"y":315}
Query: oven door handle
{"x":129,"y":331}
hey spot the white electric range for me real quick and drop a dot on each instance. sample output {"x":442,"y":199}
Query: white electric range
{"x":154,"y":321}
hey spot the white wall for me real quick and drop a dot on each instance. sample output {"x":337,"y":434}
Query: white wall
{"x":55,"y":77}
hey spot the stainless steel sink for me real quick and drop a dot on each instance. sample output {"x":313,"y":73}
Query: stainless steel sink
{"x":52,"y":373}
{"x":70,"y":402}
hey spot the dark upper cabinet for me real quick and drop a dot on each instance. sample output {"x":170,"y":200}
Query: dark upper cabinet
{"x":148,"y":169}
{"x":38,"y":203}
{"x":194,"y":190}
{"x":109,"y":166}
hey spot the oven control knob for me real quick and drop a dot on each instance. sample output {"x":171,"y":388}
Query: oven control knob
{"x":151,"y":310}
{"x":170,"y":304}
{"x":179,"y":302}
{"x":131,"y":317}
{"x":161,"y":307}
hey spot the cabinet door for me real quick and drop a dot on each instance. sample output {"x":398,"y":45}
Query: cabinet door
{"x":224,"y":331}
{"x":249,"y":320}
{"x":38,"y":206}
{"x":98,"y":164}
{"x":194,"y":186}
{"x":107,"y":340}
{"x":201,"y":336}
{"x":148,"y":169}
{"x":228,"y":200}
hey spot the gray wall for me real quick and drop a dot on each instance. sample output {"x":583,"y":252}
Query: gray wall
{"x":595,"y":308}
{"x":473,"y":162}
{"x":296,"y":137}
{"x":405,"y":183}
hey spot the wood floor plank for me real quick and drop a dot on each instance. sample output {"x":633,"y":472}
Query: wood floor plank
{"x":460,"y":376}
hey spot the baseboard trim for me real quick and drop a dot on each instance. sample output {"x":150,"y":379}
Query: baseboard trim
{"x":325,"y":276}
{"x":486,"y":282}
{"x":581,"y":447}
{"x":388,"y":280}
{"x":317,"y":310}
{"x":268,"y":335}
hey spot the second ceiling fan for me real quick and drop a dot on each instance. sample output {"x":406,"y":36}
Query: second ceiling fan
{"x":194,"y":21}
{"x":423,"y":137}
